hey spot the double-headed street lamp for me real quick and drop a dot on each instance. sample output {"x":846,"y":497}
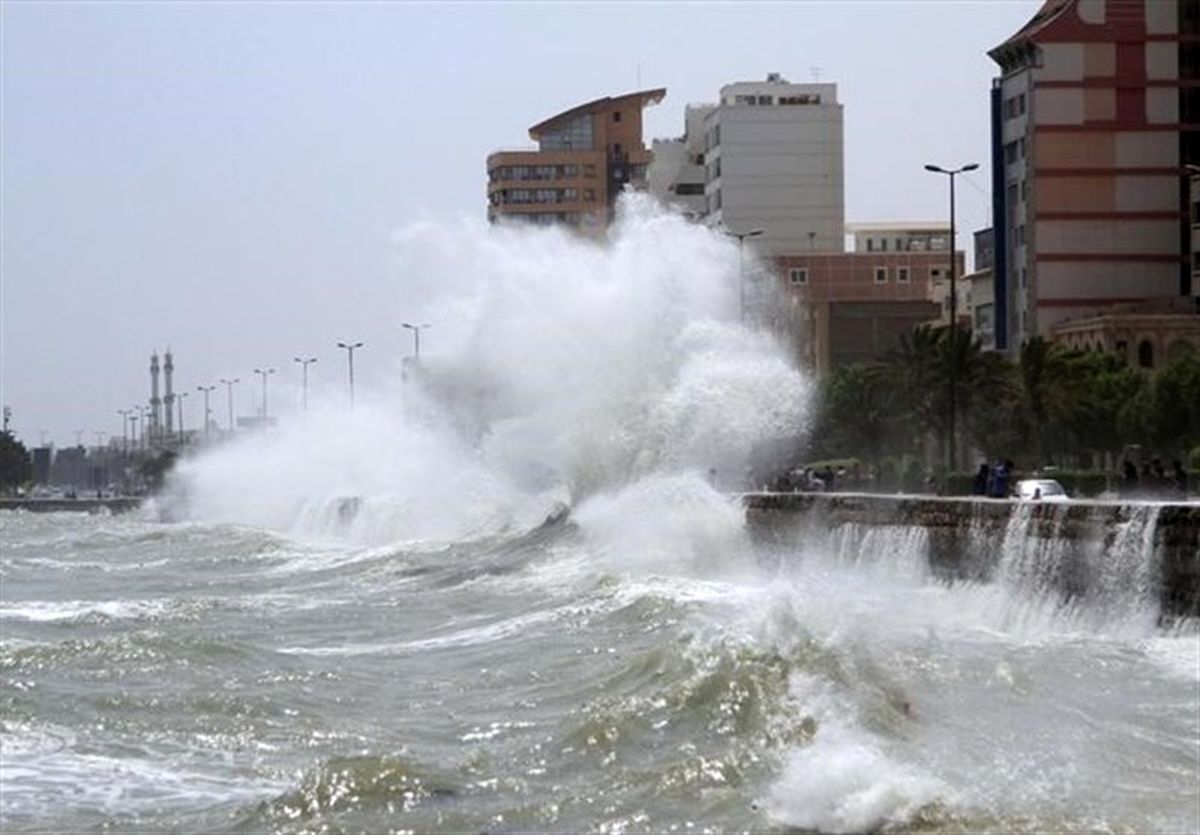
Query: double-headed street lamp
{"x":304,"y":364}
{"x":741,"y":239}
{"x":416,"y":329}
{"x":264,"y":373}
{"x":951,"y":174}
{"x":124,"y":413}
{"x":229,"y":384}
{"x":349,"y":348}
{"x":207,"y":411}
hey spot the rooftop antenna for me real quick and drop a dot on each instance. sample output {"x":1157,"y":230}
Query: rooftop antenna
{"x":816,"y":74}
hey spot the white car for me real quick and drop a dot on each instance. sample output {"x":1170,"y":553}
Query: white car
{"x":1041,"y":490}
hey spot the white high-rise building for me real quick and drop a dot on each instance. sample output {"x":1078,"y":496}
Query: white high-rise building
{"x":773,"y":162}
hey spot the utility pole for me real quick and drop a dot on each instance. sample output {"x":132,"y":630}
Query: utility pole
{"x":179,"y":399}
{"x":229,"y":384}
{"x":207,"y":411}
{"x":952,"y":173}
{"x":741,"y":239}
{"x":304,"y":364}
{"x":264,"y":374}
{"x":349,"y":348}
{"x":416,"y":329}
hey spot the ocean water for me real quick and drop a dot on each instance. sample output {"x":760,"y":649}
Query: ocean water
{"x":510,"y":593}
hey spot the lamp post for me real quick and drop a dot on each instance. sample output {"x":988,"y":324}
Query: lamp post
{"x":147,"y":413}
{"x":229,"y":384}
{"x":304,"y":364}
{"x":264,"y":373}
{"x":350,"y":347}
{"x":133,"y":422}
{"x":124,"y":413}
{"x":207,"y":411}
{"x":741,"y":239}
{"x":179,"y":399}
{"x":416,"y":329}
{"x":951,"y":174}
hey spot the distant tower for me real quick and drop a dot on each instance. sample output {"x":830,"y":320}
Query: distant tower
{"x":155,"y":400}
{"x":169,"y":396}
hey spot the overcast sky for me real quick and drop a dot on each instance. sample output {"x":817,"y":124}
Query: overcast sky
{"x":226,"y":178}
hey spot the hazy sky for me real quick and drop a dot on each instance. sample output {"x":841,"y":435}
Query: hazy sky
{"x":225,"y":178}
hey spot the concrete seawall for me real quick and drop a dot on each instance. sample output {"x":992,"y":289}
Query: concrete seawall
{"x":117,"y":504}
{"x":1075,"y":548}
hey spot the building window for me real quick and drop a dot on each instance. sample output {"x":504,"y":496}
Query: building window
{"x":616,"y":115}
{"x":1145,"y":354}
{"x":902,"y":275}
{"x":687,"y":189}
{"x":764,"y":100}
{"x":935,"y":274}
{"x":589,"y":170}
{"x":589,"y":194}
{"x":881,"y":275}
{"x":870,"y":244}
{"x":1010,"y":153}
{"x":798,"y":275}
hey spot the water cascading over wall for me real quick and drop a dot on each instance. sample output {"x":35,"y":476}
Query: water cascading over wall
{"x":1118,"y":556}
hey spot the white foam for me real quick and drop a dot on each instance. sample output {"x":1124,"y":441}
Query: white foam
{"x":844,"y":780}
{"x":561,"y":369}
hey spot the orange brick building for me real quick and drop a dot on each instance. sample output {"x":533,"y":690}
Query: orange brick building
{"x":585,"y":157}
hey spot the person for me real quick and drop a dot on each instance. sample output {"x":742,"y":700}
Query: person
{"x":999,"y":480}
{"x":979,"y":484}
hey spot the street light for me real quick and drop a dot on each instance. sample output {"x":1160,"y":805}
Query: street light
{"x":229,"y":384}
{"x":207,"y":411}
{"x":416,"y":329}
{"x":304,"y":364}
{"x":179,"y":399}
{"x":952,"y":173}
{"x":741,"y":239}
{"x":349,"y":348}
{"x":124,"y":413}
{"x":133,"y":422}
{"x":264,"y":373}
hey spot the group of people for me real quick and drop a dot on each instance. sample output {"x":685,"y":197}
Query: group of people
{"x":1153,"y":480}
{"x":992,"y":481}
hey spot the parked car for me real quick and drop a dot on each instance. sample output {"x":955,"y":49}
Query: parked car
{"x":1041,"y":490}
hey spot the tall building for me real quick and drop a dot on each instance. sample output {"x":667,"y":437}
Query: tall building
{"x":1094,"y":118}
{"x":773,"y":160}
{"x":677,"y":174}
{"x":585,"y":157}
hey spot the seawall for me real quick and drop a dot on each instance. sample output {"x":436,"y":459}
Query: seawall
{"x":1080,"y":548}
{"x":116,"y":504}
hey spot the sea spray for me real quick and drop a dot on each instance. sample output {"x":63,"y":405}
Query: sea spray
{"x":562,"y":367}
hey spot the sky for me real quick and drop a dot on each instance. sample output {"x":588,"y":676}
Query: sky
{"x":228,"y":179}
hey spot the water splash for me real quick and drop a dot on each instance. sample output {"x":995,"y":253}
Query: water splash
{"x":564,"y":368}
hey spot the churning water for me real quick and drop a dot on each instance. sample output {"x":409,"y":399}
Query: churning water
{"x":386,"y":620}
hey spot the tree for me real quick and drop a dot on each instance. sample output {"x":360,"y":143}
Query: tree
{"x":15,"y":466}
{"x":858,"y":413}
{"x":1175,"y":406}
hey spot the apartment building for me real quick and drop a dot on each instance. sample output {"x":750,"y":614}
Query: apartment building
{"x":774,"y":161}
{"x":584,"y":157}
{"x":1095,"y":116}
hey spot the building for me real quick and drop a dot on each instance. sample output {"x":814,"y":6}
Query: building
{"x":677,"y":175}
{"x":1147,"y":335}
{"x":1095,"y":117}
{"x":773,"y":161}
{"x":851,"y":307}
{"x":585,"y":156}
{"x":980,"y":291}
